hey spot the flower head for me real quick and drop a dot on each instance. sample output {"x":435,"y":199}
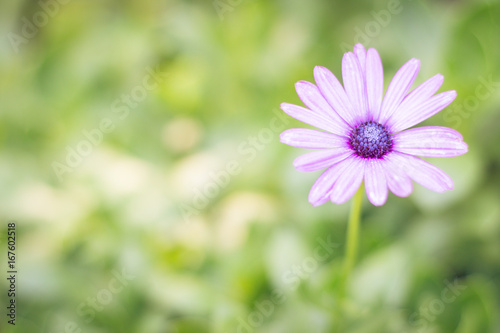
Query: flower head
{"x":366,"y":137}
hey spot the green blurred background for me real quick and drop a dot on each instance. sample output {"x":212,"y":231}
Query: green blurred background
{"x":164,"y":202}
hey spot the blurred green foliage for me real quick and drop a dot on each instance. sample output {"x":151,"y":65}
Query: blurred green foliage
{"x":126,"y":240}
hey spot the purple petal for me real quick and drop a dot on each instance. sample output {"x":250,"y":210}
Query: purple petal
{"x":431,"y":141}
{"x":416,"y":97}
{"x":360,"y":52}
{"x":318,"y":160}
{"x":312,"y":98}
{"x":397,"y":180}
{"x":311,"y":139}
{"x":423,"y":173}
{"x":350,"y":180}
{"x":320,"y":191}
{"x":398,"y":88}
{"x":335,"y":94}
{"x":354,"y":83}
{"x":314,"y":119}
{"x":374,"y":83}
{"x":422,"y":111}
{"x":375,"y":182}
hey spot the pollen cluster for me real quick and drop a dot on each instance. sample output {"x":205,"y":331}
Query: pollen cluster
{"x":371,"y":140}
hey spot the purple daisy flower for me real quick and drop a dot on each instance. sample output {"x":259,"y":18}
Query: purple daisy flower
{"x":367,"y":136}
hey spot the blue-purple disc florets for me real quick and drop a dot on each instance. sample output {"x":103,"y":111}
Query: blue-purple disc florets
{"x":371,"y":140}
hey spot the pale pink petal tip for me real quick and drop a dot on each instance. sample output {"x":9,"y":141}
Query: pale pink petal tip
{"x":375,"y":182}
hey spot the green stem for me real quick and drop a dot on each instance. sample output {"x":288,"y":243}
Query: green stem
{"x":351,"y":247}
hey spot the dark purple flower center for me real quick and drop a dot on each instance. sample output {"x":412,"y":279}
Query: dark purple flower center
{"x":371,"y":140}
